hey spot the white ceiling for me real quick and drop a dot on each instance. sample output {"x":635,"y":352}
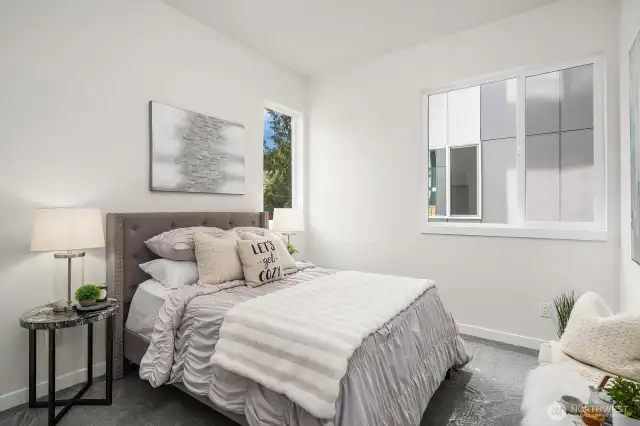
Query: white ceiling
{"x":314,"y":36}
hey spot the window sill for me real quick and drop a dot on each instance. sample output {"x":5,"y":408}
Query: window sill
{"x":486,"y":230}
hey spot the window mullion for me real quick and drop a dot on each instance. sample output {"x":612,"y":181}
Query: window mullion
{"x":479,"y":179}
{"x":521,"y":152}
{"x":600,"y":201}
{"x":448,"y":184}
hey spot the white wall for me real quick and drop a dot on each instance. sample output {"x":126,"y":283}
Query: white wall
{"x":364,"y":171}
{"x":76,"y":77}
{"x":630,"y":279}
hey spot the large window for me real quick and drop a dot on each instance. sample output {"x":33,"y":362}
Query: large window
{"x":523,"y":152}
{"x":281,"y":158}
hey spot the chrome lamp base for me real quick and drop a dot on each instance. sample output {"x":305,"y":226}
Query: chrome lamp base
{"x":67,"y":305}
{"x":288,"y":234}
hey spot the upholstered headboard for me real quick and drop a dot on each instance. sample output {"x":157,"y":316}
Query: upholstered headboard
{"x":126,"y":234}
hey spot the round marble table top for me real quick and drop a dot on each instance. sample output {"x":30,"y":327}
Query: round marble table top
{"x":44,"y":318}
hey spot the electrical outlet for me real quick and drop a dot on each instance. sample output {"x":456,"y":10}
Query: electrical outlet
{"x":545,"y":310}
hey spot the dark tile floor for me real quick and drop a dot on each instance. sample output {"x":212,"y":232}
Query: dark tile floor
{"x":487,"y":392}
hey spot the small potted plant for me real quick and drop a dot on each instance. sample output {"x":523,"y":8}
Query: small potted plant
{"x":87,"y":294}
{"x":564,"y":305}
{"x":291,"y":249}
{"x":625,"y":397}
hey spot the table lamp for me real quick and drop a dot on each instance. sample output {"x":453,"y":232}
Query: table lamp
{"x":66,"y":232}
{"x":288,"y":221}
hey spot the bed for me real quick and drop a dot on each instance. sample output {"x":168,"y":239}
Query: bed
{"x":389,"y":379}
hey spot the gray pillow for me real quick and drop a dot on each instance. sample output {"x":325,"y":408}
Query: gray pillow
{"x":178,"y":244}
{"x":261,"y":262}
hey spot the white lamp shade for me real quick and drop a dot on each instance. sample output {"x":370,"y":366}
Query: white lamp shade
{"x":288,"y":220}
{"x":60,"y":229}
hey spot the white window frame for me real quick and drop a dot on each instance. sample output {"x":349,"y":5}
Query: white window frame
{"x":448,"y":215}
{"x":297,"y":152}
{"x":588,"y":231}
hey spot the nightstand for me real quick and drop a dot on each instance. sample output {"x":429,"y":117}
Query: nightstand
{"x":44,"y":318}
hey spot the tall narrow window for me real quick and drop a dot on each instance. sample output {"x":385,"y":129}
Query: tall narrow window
{"x":277,"y":161}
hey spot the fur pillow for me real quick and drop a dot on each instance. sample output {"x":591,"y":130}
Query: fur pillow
{"x":595,"y":336}
{"x":178,"y":244}
{"x":261,"y":261}
{"x":217,"y":258}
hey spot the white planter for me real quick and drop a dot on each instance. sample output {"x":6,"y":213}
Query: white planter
{"x":622,"y":420}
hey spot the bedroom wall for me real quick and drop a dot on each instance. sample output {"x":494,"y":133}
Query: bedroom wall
{"x":364,"y":172}
{"x":76,"y":77}
{"x":630,"y":279}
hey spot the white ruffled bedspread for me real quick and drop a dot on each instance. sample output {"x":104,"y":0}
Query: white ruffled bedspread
{"x":298,"y":341}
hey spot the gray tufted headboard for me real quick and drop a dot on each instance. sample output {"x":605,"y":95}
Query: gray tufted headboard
{"x":126,"y":234}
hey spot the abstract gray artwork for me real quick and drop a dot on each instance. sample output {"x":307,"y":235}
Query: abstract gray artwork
{"x":192,"y":152}
{"x":634,"y":93}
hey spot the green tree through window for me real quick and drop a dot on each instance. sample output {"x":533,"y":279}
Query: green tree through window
{"x":277,"y":160}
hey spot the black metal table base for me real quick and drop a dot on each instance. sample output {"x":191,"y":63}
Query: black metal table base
{"x":51,"y":403}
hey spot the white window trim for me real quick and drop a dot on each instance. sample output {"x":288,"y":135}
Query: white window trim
{"x":297,"y":152}
{"x":591,"y":231}
{"x":447,"y":151}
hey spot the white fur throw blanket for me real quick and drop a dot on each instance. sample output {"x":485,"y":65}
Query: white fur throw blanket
{"x":298,"y":341}
{"x":546,"y":385}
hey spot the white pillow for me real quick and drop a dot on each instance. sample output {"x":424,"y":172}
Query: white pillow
{"x":256,"y":235}
{"x":595,"y":336}
{"x":261,"y":261}
{"x":171,"y":273}
{"x":217,"y":258}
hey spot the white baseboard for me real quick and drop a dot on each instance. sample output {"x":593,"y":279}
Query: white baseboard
{"x":501,"y":336}
{"x":20,"y":396}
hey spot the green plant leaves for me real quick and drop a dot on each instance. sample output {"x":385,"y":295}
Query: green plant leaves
{"x":564,"y":305}
{"x":88,"y":292}
{"x":625,"y":396}
{"x":291,"y":249}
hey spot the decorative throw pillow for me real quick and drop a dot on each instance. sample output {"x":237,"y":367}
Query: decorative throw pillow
{"x":217,"y":258}
{"x":261,"y":232}
{"x":261,"y":262}
{"x":178,"y":244}
{"x":171,"y":273}
{"x":256,"y":234}
{"x":595,"y":336}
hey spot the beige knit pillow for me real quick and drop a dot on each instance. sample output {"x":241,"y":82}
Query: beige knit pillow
{"x":261,"y":262}
{"x":597,"y":337}
{"x":217,"y":258}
